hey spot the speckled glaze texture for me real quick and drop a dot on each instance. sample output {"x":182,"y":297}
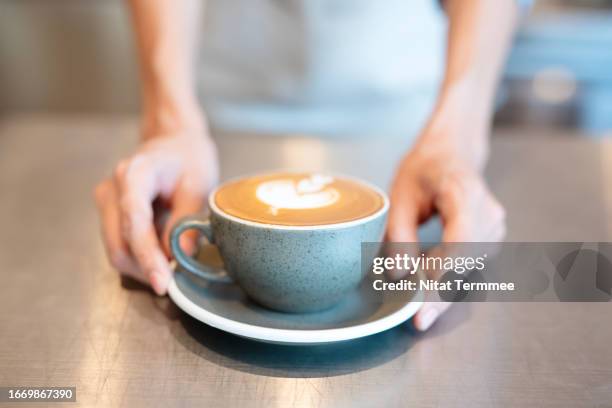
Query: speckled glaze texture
{"x":297,"y":270}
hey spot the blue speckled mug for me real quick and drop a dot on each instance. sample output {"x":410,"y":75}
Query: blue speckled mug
{"x":293,"y":269}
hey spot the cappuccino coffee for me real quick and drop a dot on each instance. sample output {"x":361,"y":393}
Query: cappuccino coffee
{"x":291,"y":241}
{"x":298,"y":199}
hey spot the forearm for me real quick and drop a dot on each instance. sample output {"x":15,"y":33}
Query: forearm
{"x":166,"y":34}
{"x":480,"y":33}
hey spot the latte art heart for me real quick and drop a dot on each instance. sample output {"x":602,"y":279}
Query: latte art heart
{"x":307,"y":193}
{"x":297,"y":199}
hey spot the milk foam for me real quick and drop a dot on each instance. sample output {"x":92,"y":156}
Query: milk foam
{"x":307,"y":193}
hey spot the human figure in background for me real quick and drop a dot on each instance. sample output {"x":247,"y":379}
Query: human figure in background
{"x":422,"y":67}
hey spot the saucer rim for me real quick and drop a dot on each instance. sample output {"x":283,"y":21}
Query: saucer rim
{"x":293,"y":336}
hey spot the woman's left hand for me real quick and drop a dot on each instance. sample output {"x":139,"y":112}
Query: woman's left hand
{"x":441,"y":176}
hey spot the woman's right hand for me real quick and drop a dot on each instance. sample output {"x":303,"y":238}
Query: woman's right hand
{"x":173,"y":171}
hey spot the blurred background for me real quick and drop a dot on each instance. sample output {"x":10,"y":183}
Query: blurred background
{"x":78,"y":56}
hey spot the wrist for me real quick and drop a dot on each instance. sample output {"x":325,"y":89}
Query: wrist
{"x":471,"y":92}
{"x":459,"y":124}
{"x":163,"y":120}
{"x":165,"y":115}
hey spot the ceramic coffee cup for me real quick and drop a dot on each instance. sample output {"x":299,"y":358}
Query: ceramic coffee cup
{"x":287,"y":268}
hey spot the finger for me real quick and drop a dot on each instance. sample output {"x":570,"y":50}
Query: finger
{"x":455,"y":214}
{"x":499,"y":234}
{"x":433,"y":306}
{"x":138,"y":187}
{"x":403,"y":216}
{"x":459,"y":202}
{"x":470,"y":212}
{"x":451,"y":209}
{"x":184,"y":203}
{"x":139,"y":232}
{"x":428,"y":314}
{"x":497,"y":214}
{"x":117,"y":250}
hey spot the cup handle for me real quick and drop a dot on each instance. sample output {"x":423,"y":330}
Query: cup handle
{"x":188,"y":263}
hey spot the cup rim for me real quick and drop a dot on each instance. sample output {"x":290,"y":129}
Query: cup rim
{"x":344,"y":224}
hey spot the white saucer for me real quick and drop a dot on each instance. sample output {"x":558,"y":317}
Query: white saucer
{"x":224,"y":306}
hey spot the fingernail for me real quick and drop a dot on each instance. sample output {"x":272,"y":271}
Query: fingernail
{"x":427,"y":319}
{"x":188,"y":246}
{"x":159,"y":282}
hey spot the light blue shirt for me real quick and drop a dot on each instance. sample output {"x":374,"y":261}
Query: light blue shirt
{"x":343,"y":67}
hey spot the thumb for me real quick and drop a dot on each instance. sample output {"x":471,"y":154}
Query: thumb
{"x":183,"y":204}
